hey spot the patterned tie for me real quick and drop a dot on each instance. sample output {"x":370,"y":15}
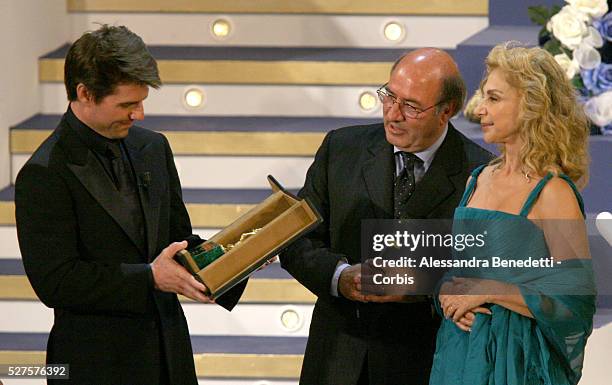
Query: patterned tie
{"x":404,"y":184}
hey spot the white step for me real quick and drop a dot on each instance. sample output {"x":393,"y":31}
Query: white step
{"x":214,"y":171}
{"x":241,"y":172}
{"x":203,"y":319}
{"x":9,"y":247}
{"x":288,"y":30}
{"x":241,"y":100}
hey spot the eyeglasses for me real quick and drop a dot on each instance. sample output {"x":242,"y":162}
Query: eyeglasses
{"x":409,"y":111}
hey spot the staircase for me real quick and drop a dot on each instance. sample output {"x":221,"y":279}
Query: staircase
{"x":285,"y":74}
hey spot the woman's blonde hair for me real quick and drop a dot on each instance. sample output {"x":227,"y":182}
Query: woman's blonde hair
{"x":552,"y":124}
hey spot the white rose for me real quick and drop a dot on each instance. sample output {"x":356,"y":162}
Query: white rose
{"x":593,"y":38}
{"x":599,"y":109}
{"x":569,"y":26}
{"x":568,"y":65}
{"x":593,"y":8}
{"x":586,"y":56}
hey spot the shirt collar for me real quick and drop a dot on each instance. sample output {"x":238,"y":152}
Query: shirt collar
{"x":428,"y":154}
{"x":92,"y":139}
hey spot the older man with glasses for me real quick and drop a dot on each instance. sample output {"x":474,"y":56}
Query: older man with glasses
{"x":413,"y":165}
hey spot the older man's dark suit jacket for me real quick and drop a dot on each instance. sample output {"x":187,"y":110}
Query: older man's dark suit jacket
{"x":352,"y":179}
{"x":83,"y":259}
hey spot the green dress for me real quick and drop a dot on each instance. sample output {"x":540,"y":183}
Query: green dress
{"x":507,"y":348}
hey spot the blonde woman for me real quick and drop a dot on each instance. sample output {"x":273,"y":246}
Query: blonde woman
{"x":529,"y":325}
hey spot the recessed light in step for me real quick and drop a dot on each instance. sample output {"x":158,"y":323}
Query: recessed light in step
{"x":221,"y":29}
{"x":394,"y":31}
{"x":193,"y":98}
{"x":291,"y":318}
{"x":368,"y":101}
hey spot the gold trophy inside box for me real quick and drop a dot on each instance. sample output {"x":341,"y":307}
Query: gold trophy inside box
{"x":237,"y":251}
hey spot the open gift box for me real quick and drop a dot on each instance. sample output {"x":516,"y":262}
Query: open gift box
{"x":280,"y":219}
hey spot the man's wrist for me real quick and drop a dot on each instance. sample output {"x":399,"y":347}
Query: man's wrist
{"x":340,"y":267}
{"x":151,"y":276}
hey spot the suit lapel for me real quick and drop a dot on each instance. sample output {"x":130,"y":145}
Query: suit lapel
{"x":148,"y":182}
{"x":436,"y":185}
{"x":87,"y":169}
{"x":378,"y":173}
{"x":92,"y":176}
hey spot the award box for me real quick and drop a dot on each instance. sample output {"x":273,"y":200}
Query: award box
{"x":279,"y":219}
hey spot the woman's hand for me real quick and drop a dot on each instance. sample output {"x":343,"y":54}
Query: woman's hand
{"x":465,"y":323}
{"x":462,"y":296}
{"x":456,"y":306}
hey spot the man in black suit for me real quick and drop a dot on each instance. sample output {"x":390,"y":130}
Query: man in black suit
{"x":99,"y":219}
{"x":414,"y":165}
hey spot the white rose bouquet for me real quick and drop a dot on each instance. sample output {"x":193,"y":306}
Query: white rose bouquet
{"x":577,"y":34}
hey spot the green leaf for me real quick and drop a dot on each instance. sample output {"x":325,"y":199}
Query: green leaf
{"x":577,"y":82}
{"x":553,"y":46}
{"x":538,"y":14}
{"x":567,"y":51}
{"x":554,"y":10}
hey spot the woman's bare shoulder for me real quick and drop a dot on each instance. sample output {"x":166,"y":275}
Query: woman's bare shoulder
{"x":484,"y":174}
{"x":557,"y":200}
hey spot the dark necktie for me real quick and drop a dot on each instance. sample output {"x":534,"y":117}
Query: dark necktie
{"x":404,"y":184}
{"x":126,"y":184}
{"x":120,"y":175}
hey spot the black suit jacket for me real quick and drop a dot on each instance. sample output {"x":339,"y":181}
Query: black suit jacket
{"x":83,"y":259}
{"x":352,"y":179}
